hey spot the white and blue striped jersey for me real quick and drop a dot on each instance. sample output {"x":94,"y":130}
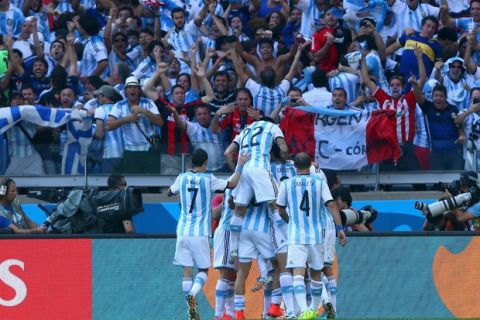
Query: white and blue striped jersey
{"x":113,"y":145}
{"x":64,"y":6}
{"x":11,"y":22}
{"x":42,"y":24}
{"x":114,"y":59}
{"x":120,"y":87}
{"x":265,"y":98}
{"x":204,"y":138}
{"x":456,"y":92}
{"x":227,"y":212}
{"x":348,"y":81}
{"x":17,"y":3}
{"x":311,"y":17}
{"x":183,"y":39}
{"x":257,"y":140}
{"x":134,"y":140}
{"x":196,"y":190}
{"x":281,"y":171}
{"x":375,"y":68}
{"x":408,"y":18}
{"x":422,"y":132}
{"x":305,"y":197}
{"x":18,"y":144}
{"x":88,"y":4}
{"x":94,"y":52}
{"x":145,"y":69}
{"x":257,"y":218}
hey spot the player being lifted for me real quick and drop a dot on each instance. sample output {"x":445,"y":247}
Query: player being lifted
{"x":193,"y":228}
{"x":256,"y":182}
{"x":301,"y":201}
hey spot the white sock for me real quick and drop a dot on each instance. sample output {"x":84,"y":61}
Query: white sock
{"x":236,"y":224}
{"x":332,"y":288}
{"x":317,"y":287}
{"x":277,"y":296}
{"x":229,"y":298}
{"x":299,"y":292}
{"x":221,"y":291}
{"x":239,"y":302}
{"x":286,"y":284}
{"x":308,"y":287}
{"x":267,"y":298}
{"x":186,"y":285}
{"x":198,"y":283}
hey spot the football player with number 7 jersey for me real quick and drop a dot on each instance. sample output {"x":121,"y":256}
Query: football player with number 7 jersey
{"x":302,"y":200}
{"x":193,"y":229}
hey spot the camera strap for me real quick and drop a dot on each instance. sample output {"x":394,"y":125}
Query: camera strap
{"x":143,"y":133}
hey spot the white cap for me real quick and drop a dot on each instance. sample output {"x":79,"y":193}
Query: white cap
{"x":132,"y":81}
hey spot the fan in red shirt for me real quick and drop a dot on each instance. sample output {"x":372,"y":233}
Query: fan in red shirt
{"x":330,"y":43}
{"x":404,"y":105}
{"x":236,"y":116}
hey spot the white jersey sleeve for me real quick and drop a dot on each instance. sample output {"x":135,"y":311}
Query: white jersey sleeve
{"x":175,"y":187}
{"x":326,"y":194}
{"x":116,"y":112}
{"x":218,"y":184}
{"x":282,"y":195}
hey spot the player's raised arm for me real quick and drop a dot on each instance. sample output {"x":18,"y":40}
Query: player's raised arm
{"x":229,"y":154}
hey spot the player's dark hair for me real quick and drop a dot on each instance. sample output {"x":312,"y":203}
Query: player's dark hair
{"x":199,"y":157}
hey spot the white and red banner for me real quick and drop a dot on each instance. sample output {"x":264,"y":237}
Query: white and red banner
{"x":349,"y":140}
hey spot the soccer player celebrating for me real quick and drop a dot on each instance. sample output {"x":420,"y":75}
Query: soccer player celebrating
{"x":257,"y":182}
{"x":300,"y":201}
{"x":193,"y":228}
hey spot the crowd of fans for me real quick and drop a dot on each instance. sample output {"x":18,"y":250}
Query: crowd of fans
{"x":162,"y":78}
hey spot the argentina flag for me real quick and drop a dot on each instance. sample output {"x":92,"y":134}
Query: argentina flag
{"x":39,"y":115}
{"x":79,"y":130}
{"x":372,"y":8}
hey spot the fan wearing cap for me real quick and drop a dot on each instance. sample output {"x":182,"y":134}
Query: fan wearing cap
{"x":139,"y":119}
{"x":453,"y":75}
{"x":107,"y":96}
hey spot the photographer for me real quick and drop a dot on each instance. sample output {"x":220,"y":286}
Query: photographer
{"x":12,"y":215}
{"x":462,"y":193}
{"x":342,"y":196}
{"x":469,"y":183}
{"x":118,"y":182}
